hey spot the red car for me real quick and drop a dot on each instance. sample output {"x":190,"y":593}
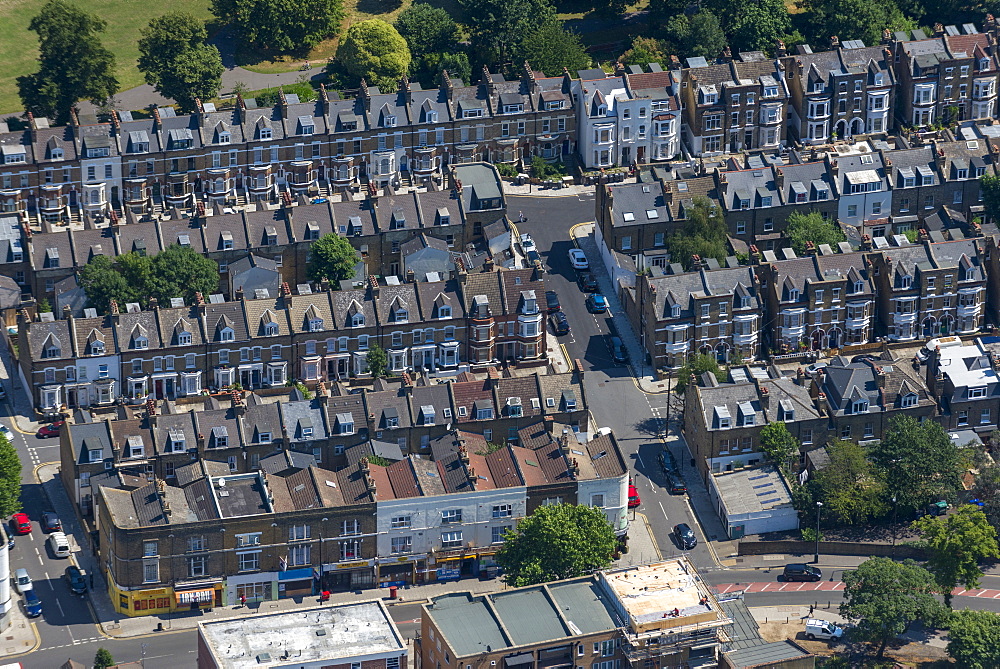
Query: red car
{"x":633,"y":497}
{"x":21,"y":523}
{"x":50,"y":430}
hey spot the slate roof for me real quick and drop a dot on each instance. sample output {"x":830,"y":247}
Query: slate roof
{"x":301,"y":413}
{"x":226,"y":314}
{"x":261,"y":418}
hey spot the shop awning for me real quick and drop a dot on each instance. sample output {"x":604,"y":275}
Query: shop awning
{"x":192,"y":596}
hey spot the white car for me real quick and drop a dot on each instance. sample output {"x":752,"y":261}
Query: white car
{"x":822,"y":629}
{"x":578,"y":259}
{"x":527,"y":243}
{"x":22,"y":581}
{"x":6,"y":431}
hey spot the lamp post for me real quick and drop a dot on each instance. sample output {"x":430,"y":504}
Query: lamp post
{"x":819,"y":506}
{"x":893,"y":527}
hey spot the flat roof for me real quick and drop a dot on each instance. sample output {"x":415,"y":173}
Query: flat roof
{"x":754,"y":490}
{"x":335,"y":633}
{"x":651,"y":592}
{"x":467,"y":623}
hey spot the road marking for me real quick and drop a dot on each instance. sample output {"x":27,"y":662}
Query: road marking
{"x":49,"y":580}
{"x":61,"y":612}
{"x":41,"y":561}
{"x":662,"y":509}
{"x":639,"y":458}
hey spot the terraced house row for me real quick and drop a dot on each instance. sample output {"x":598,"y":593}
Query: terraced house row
{"x":171,"y":351}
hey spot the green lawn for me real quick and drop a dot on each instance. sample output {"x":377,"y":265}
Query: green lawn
{"x":19,"y":46}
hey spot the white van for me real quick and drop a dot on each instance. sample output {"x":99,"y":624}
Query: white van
{"x":59,"y":545}
{"x":821,"y":629}
{"x":944,"y":342}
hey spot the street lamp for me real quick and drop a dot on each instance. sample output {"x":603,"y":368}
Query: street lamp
{"x":819,"y":506}
{"x":894,"y":527}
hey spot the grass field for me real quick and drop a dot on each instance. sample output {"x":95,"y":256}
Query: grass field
{"x":19,"y":46}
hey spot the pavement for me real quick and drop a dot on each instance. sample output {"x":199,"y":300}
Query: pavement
{"x":22,"y":635}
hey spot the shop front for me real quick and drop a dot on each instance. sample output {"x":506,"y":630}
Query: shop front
{"x":141,"y":602}
{"x":197,"y":596}
{"x":296,"y":583}
{"x":401,"y":571}
{"x":451,"y":567}
{"x":258,"y":587}
{"x":353,"y":575}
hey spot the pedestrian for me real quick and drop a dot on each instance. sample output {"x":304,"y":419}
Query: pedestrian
{"x":91,"y":580}
{"x":243,"y":600}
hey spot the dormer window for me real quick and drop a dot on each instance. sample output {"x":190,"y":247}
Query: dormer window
{"x":390,"y":121}
{"x":908,"y":400}
{"x":271,"y":330}
{"x":265,"y":133}
{"x":315,"y":324}
{"x":184,"y":339}
{"x":358,"y":320}
{"x":602,"y":110}
{"x":401,"y":316}
{"x":306,"y":125}
{"x":140,"y":343}
{"x":56,"y":154}
{"x":553,"y":104}
{"x":444,"y":311}
{"x":97,"y":348}
{"x":513,"y":109}
{"x":514,"y":408}
{"x":227,"y":334}
{"x":675,"y":311}
{"x":428,"y":414}
{"x":100,"y":152}
{"x":432,"y":117}
{"x":345,"y":423}
{"x":859,"y":406}
{"x":905,"y":281}
{"x":793,"y":295}
{"x":984,"y":63}
{"x":13,"y":154}
{"x":472,"y":113}
{"x":225,"y":137}
{"x":859,"y":286}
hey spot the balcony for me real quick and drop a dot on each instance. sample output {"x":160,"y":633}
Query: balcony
{"x":301,"y":176}
{"x":51,"y":201}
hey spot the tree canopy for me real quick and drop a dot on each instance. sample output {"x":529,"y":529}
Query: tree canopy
{"x":550,"y":48}
{"x":850,"y":488}
{"x":852,"y":20}
{"x":696,"y":365}
{"x":990,"y":188}
{"x":955,"y":544}
{"x":377,"y":360}
{"x":427,"y":69}
{"x":282,"y":26}
{"x":645,"y":50}
{"x":176,"y":60}
{"x":974,"y":639}
{"x":705,"y":234}
{"x":812,"y":227}
{"x":427,"y":29}
{"x":103,"y":659}
{"x":556,"y":541}
{"x":177,"y":271}
{"x":375,"y":51}
{"x":758,"y":25}
{"x":331,"y":257}
{"x":73,"y":65}
{"x":885,"y":597}
{"x":699,"y":34}
{"x":496,"y":27}
{"x":918,"y":461}
{"x":10,"y":478}
{"x":778,"y":444}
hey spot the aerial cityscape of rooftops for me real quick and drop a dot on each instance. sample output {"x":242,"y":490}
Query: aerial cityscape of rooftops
{"x":519,"y":333}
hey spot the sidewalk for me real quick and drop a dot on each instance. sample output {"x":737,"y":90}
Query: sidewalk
{"x":18,"y":398}
{"x":21,"y":637}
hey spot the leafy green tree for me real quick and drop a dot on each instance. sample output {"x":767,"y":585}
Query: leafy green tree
{"x":427,"y":29}
{"x":812,"y":227}
{"x":180,"y":271}
{"x":375,"y":51}
{"x":550,"y":48}
{"x":101,"y":282}
{"x":282,"y":26}
{"x":377,"y":359}
{"x":758,"y":25}
{"x":850,"y":488}
{"x":852,"y":19}
{"x":72,"y":62}
{"x":974,"y":639}
{"x":331,"y":257}
{"x":699,"y":34}
{"x":498,"y":26}
{"x":176,"y":60}
{"x":10,"y":478}
{"x":885,"y":597}
{"x":555,"y":542}
{"x":427,"y":68}
{"x":956,"y":543}
{"x":662,"y":11}
{"x":645,"y":50}
{"x":989,"y":186}
{"x":918,"y":462}
{"x":103,"y":659}
{"x":705,"y":234}
{"x":778,"y":444}
{"x":696,"y":365}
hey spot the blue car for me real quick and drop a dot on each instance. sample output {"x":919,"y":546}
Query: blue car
{"x":596,"y":304}
{"x":32,"y":604}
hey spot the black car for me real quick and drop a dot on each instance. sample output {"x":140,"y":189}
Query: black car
{"x":684,"y":536}
{"x":800,"y":572}
{"x":587,"y":282}
{"x":534,"y":259}
{"x":667,"y":462}
{"x":51,"y":522}
{"x":675,"y":484}
{"x":74,"y":577}
{"x":617,"y":348}
{"x":560,"y":324}
{"x":552,"y":301}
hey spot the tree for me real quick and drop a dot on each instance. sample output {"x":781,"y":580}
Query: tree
{"x":696,"y":365}
{"x":10,"y":478}
{"x":551,"y":48}
{"x":497,"y":26}
{"x":812,"y":227}
{"x":850,"y":488}
{"x":555,"y":542}
{"x":375,"y":51}
{"x":331,"y":257}
{"x":427,"y":68}
{"x":73,"y":64}
{"x":956,"y":543}
{"x":918,"y":462}
{"x":101,"y":282}
{"x":989,"y":186}
{"x":103,"y":659}
{"x":885,"y":597}
{"x":180,"y":271}
{"x":645,"y":50}
{"x":377,"y":360}
{"x":705,"y":234}
{"x":758,"y":25}
{"x":282,"y":26}
{"x":699,"y":34}
{"x":176,"y":60}
{"x":974,"y":639}
{"x":778,"y":444}
{"x":427,"y":29}
{"x":852,"y":19}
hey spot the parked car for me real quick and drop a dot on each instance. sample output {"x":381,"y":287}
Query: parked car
{"x":822,"y":629}
{"x":559,"y":322}
{"x":667,"y":462}
{"x":587,"y":282}
{"x":675,"y":484}
{"x":685,"y":537}
{"x":815,"y":368}
{"x":6,"y":431}
{"x":32,"y":604}
{"x":59,"y":545}
{"x":50,"y":430}
{"x":800,"y":572}
{"x":596,"y":304}
{"x":578,"y":259}
{"x":20,"y":523}
{"x":534,"y":260}
{"x":617,"y":348}
{"x":74,"y":578}
{"x":552,"y":301}
{"x":51,"y":522}
{"x":633,"y":496}
{"x":22,"y":581}
{"x":527,"y":243}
